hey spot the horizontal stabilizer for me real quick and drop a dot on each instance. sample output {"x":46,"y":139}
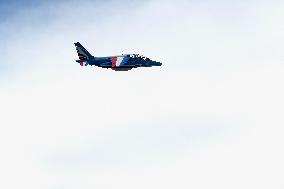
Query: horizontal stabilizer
{"x":82,"y":63}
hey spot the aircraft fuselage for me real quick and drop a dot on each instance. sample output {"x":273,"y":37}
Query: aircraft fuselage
{"x":117,"y":63}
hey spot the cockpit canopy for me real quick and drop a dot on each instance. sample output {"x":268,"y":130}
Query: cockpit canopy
{"x":138,"y":56}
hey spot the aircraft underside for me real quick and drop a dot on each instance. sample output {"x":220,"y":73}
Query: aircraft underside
{"x":121,"y":69}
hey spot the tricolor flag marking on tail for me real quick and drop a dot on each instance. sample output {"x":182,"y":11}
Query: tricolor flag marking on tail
{"x":81,"y":54}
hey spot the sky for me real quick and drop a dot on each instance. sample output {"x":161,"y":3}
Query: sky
{"x":210,"y":117}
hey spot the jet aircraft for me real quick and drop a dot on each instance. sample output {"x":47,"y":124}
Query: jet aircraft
{"x":123,"y":62}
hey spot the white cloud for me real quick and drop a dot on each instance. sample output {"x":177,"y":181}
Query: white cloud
{"x":211,"y":116}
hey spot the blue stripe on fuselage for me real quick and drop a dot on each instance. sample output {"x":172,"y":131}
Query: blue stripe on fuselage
{"x":124,"y":60}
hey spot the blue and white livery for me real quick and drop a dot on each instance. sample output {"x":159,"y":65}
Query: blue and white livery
{"x":118,"y":63}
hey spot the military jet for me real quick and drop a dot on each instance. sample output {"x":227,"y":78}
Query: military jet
{"x":123,"y":62}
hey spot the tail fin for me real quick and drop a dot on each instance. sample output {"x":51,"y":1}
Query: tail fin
{"x":83,"y":54}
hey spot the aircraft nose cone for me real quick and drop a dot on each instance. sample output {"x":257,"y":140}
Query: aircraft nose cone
{"x":154,"y":63}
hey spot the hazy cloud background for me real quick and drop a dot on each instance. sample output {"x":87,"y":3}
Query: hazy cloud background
{"x":210,"y":117}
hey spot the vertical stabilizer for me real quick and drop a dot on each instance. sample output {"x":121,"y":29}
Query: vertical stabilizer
{"x":83,"y":54}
